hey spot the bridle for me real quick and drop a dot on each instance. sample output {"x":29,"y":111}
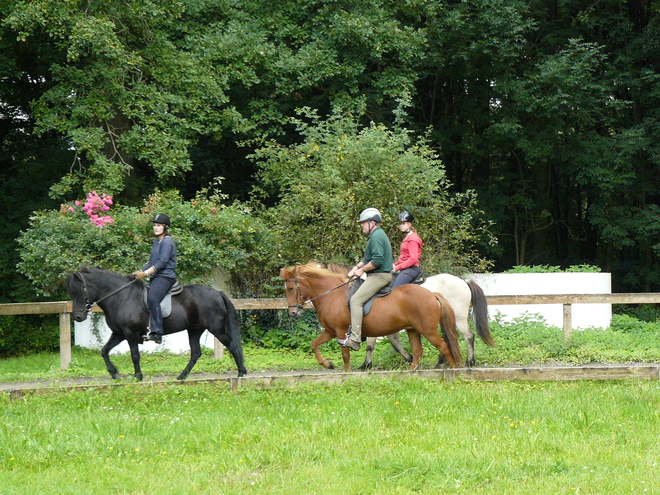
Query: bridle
{"x":88,"y":303}
{"x":300,"y":303}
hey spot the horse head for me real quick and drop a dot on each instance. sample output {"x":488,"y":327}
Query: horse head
{"x":292,"y":290}
{"x":76,"y":287}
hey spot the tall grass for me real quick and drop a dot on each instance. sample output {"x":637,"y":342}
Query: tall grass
{"x":382,"y":436}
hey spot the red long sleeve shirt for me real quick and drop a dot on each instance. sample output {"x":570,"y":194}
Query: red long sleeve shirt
{"x":411,"y":251}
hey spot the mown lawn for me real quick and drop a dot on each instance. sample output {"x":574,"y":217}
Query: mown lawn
{"x":376,"y":436}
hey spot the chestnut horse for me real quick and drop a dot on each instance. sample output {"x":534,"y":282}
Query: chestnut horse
{"x":408,"y":307}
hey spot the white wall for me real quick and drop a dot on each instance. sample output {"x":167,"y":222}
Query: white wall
{"x":583,"y":315}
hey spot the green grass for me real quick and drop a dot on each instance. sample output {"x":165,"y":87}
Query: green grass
{"x":382,"y":436}
{"x":525,"y":341}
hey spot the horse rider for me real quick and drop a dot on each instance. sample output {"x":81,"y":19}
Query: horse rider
{"x":377,"y":264}
{"x":161,"y":266}
{"x":410,"y":253}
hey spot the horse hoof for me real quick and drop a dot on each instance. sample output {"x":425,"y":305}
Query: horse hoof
{"x":115,"y":376}
{"x":139,"y":377}
{"x":330,"y":366}
{"x":469,"y":364}
{"x":181,"y":377}
{"x":365,"y":366}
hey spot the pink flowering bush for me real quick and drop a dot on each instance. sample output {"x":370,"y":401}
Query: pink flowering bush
{"x":96,"y":204}
{"x":209,"y":234}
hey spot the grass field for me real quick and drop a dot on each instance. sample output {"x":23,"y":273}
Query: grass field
{"x":526,"y":341}
{"x":380,"y":436}
{"x":368,"y":436}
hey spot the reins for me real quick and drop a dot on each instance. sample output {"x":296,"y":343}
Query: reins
{"x":88,"y":304}
{"x":299,"y":293}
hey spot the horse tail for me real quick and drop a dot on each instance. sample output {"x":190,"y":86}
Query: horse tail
{"x":232,"y":337}
{"x":480,"y":313}
{"x":232,"y":327}
{"x":448,"y":324}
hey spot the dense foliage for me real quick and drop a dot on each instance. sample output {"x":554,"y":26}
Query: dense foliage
{"x":547,"y":109}
{"x":339,"y":169}
{"x":209,"y":235}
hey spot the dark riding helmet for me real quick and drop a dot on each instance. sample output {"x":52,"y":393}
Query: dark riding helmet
{"x":161,"y":218}
{"x":406,"y":216}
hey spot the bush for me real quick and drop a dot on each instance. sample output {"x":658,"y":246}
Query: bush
{"x":320,"y":186}
{"x":28,"y":334}
{"x":553,"y":269}
{"x":208,"y":235}
{"x":274,"y":329}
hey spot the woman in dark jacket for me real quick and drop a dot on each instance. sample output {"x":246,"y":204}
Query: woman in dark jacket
{"x":161,"y":266}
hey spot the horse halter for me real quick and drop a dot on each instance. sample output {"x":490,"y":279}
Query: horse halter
{"x":88,"y":304}
{"x":299,"y":298}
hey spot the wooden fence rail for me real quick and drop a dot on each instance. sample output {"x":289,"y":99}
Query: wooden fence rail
{"x":65,"y":308}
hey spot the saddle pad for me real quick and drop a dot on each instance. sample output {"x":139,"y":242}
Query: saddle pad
{"x":367,"y":306}
{"x":166,"y":303}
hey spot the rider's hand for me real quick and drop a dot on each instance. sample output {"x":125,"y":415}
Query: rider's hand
{"x":139,"y":274}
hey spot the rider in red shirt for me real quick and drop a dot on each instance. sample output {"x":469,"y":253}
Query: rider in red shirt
{"x":411,"y":251}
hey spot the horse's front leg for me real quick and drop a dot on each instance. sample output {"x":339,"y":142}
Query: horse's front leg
{"x":325,"y":336}
{"x":368,"y":357}
{"x":114,"y":340}
{"x":135,"y":356}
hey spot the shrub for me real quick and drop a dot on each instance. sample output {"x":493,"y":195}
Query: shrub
{"x":320,"y":185}
{"x":208,"y":235}
{"x":28,"y":334}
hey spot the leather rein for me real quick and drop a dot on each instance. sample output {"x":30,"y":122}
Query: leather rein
{"x":88,"y":304}
{"x":300,"y":305}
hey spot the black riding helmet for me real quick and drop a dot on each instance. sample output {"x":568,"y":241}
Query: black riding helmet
{"x":406,"y":216}
{"x":161,"y":218}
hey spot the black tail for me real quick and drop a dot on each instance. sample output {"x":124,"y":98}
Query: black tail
{"x":232,"y":338}
{"x":480,"y":313}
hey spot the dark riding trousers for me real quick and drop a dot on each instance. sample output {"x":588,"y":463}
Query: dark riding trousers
{"x":158,"y":289}
{"x":406,"y":276}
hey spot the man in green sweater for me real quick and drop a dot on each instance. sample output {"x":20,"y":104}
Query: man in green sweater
{"x":377,"y":264}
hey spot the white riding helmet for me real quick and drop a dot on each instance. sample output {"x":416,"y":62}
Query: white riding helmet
{"x":370,"y":214}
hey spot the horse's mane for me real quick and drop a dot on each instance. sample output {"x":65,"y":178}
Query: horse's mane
{"x":319,"y":270}
{"x":89,"y":269}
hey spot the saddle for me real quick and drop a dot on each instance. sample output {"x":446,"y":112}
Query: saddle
{"x":166,"y":303}
{"x":420,"y":279}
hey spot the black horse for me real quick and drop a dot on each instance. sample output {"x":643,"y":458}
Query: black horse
{"x":198,"y":308}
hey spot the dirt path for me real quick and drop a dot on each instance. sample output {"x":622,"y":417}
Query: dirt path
{"x":291,"y":378}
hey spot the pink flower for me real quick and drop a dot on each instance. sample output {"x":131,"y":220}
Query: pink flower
{"x":96,"y":204}
{"x":71,"y":210}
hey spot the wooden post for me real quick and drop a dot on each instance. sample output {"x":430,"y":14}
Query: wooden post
{"x":218,"y":349}
{"x":568,"y":326}
{"x":65,"y":340}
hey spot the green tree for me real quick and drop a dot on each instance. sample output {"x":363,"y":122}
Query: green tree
{"x":321,"y":185}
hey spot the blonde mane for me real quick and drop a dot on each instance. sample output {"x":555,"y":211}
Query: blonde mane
{"x":317,"y":270}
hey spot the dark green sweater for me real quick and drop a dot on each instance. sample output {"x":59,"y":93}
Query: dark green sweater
{"x":379,"y":252}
